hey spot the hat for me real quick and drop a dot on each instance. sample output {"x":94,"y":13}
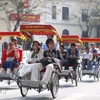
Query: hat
{"x":14,"y":38}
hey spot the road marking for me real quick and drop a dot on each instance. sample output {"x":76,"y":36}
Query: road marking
{"x":8,"y":92}
{"x":74,"y":96}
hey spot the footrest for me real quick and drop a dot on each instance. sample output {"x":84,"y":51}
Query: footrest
{"x":5,"y":77}
{"x":29,"y":83}
{"x":64,"y":73}
{"x":88,"y":72}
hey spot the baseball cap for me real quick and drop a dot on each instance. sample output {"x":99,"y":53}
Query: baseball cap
{"x":14,"y":38}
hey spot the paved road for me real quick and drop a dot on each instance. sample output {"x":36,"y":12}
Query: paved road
{"x":88,"y":89}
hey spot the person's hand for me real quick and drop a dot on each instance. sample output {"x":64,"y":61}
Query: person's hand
{"x":63,"y":54}
{"x":14,"y":49}
{"x":28,"y":61}
{"x":74,"y":56}
{"x":88,"y":60}
{"x":71,"y":56}
{"x":48,"y":58}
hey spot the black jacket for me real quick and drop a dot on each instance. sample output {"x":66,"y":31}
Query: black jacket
{"x":54,"y":54}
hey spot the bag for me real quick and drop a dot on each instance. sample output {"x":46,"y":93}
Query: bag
{"x":46,"y":61}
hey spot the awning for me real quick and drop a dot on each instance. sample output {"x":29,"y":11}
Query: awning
{"x":90,"y":39}
{"x":70,"y":39}
{"x":10,"y":34}
{"x":29,"y":30}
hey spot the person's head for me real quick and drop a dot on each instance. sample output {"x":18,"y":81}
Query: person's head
{"x":50,"y":43}
{"x":36,"y":45}
{"x":94,"y":52}
{"x":87,"y":49}
{"x":73,"y":46}
{"x":49,"y":36}
{"x":11,"y":45}
{"x":14,"y":40}
{"x":92,"y":45}
{"x":61,"y":48}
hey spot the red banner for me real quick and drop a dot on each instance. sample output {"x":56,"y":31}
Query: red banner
{"x":25,"y":17}
{"x":90,"y":40}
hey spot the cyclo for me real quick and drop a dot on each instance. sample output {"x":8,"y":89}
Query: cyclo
{"x":14,"y":73}
{"x":26,"y":83}
{"x":91,"y":72}
{"x":70,"y":73}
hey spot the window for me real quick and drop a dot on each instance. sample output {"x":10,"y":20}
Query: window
{"x":54,"y":12}
{"x":65,"y":13}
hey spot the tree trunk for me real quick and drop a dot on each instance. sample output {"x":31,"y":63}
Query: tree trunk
{"x":17,"y":24}
{"x":89,"y":34}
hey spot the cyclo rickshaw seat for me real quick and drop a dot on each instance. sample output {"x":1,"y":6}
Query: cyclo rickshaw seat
{"x":4,"y":56}
{"x":15,"y":71}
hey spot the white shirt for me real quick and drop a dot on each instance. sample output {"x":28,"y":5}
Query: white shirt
{"x":39,"y":55}
{"x":87,"y":56}
{"x":91,"y":50}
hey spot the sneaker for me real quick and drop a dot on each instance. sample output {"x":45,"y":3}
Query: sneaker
{"x":44,"y":85}
{"x":8,"y":82}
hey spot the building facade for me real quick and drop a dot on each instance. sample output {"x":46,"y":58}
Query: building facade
{"x":60,"y":14}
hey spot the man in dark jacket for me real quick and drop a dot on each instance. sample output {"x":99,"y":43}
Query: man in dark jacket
{"x":72,"y":56}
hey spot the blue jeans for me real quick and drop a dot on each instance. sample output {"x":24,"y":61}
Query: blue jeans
{"x":95,"y":63}
{"x":86,"y":62}
{"x":64,"y":62}
{"x":9,"y":64}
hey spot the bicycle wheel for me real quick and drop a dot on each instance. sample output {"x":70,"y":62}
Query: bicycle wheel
{"x":23,"y":90}
{"x":54,"y":84}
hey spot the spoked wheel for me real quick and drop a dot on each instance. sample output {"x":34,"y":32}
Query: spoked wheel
{"x":71,"y":76}
{"x":79,"y":75}
{"x":76,"y":79}
{"x":98,"y":75}
{"x":54,"y":84}
{"x":23,"y":90}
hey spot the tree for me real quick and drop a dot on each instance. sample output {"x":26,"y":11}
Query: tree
{"x":34,"y":7}
{"x":89,"y":11}
{"x":18,"y":6}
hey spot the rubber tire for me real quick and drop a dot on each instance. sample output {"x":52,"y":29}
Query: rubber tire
{"x":54,"y":84}
{"x":22,"y":90}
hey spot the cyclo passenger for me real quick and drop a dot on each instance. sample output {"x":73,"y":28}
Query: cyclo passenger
{"x":87,"y":58}
{"x":72,"y":56}
{"x":15,"y":41}
{"x":63,"y":56}
{"x":11,"y":60}
{"x":95,"y":60}
{"x":35,"y":56}
{"x":50,"y":56}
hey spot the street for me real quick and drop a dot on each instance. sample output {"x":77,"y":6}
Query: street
{"x":87,"y":89}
